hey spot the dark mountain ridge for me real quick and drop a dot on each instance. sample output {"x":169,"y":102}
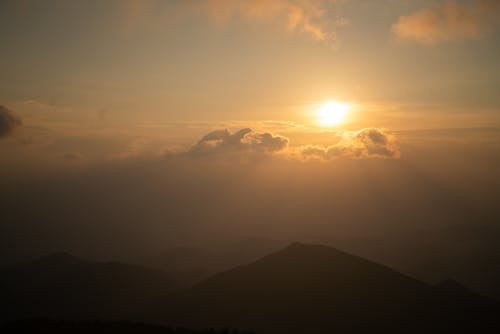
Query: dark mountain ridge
{"x":318,"y":289}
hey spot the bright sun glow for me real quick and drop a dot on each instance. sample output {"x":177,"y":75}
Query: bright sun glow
{"x":332,"y":113}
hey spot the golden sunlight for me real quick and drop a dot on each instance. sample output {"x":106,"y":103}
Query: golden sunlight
{"x":332,"y":113}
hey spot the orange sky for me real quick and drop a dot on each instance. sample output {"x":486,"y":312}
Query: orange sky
{"x":150,"y":76}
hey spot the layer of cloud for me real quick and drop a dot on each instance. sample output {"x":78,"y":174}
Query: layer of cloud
{"x":8,"y":122}
{"x":448,"y":21}
{"x":242,"y":141}
{"x":362,"y":144}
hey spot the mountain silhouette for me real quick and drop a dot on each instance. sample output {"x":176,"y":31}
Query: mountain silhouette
{"x":66,"y":287}
{"x":318,"y":289}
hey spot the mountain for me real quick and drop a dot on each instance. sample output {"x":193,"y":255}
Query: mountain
{"x":318,"y":289}
{"x":64,"y":286}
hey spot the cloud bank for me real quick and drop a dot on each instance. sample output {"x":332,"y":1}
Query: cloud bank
{"x":362,"y":144}
{"x":8,"y":122}
{"x":448,"y":21}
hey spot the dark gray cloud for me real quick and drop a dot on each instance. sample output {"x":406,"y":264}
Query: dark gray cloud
{"x":365,"y":143}
{"x":243,"y":141}
{"x":8,"y":122}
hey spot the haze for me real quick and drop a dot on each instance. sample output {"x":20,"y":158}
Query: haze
{"x":131,"y":128}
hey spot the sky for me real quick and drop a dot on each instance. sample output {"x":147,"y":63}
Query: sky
{"x":91,"y":68}
{"x":128,"y":125}
{"x":221,"y":60}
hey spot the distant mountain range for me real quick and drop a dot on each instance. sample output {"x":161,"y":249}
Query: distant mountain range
{"x":64,"y":286}
{"x":299,"y":289}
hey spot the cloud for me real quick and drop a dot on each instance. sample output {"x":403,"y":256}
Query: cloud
{"x":313,"y":18}
{"x":8,"y":122}
{"x":362,"y":144}
{"x":448,"y":21}
{"x":309,"y":17}
{"x":243,"y":141}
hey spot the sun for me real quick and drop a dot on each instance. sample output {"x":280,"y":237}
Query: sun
{"x":332,"y":113}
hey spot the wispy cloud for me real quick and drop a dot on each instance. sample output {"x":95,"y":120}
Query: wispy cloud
{"x":314,"y":18}
{"x":308,"y":17}
{"x":448,"y":21}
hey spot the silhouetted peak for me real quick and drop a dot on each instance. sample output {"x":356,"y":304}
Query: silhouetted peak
{"x":314,"y":258}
